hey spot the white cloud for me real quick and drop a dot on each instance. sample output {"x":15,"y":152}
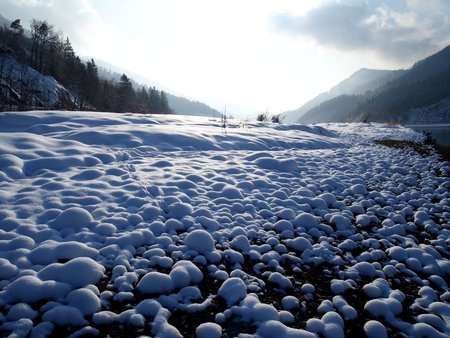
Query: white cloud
{"x":75,"y":18}
{"x":401,"y":34}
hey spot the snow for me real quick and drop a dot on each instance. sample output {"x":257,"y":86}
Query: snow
{"x":209,"y":330}
{"x":233,"y":290}
{"x":149,"y":212}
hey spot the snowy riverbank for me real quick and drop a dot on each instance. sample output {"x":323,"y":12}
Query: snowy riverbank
{"x":170,"y":225}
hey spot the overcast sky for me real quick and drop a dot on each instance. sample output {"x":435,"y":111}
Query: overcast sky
{"x":267,"y":54}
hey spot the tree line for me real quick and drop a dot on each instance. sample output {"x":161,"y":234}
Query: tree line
{"x":50,"y":53}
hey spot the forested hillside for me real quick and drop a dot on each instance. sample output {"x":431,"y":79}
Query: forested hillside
{"x":361,"y":82}
{"x":40,"y":69}
{"x":426,"y":84}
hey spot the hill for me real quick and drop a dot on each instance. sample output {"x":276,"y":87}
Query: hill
{"x":177,"y":102}
{"x":358,"y":83}
{"x":382,"y":96}
{"x":40,"y":69}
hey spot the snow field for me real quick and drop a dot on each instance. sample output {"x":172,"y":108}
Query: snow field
{"x":105,"y":209}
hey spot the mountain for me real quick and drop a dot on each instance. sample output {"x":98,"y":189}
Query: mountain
{"x":358,"y":83}
{"x":177,"y":102}
{"x":383,"y":96}
{"x":110,"y":71}
{"x":4,"y":21}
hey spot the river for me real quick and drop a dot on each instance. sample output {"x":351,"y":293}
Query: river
{"x":440,"y":132}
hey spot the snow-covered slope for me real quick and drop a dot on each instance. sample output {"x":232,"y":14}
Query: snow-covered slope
{"x":171,"y":226}
{"x":22,"y":86}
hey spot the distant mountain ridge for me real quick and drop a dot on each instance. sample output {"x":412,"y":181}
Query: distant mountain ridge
{"x":359,"y":82}
{"x":177,"y":102}
{"x":384,"y":95}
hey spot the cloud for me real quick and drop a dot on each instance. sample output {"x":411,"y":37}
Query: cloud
{"x":75,"y":18}
{"x":402,"y":34}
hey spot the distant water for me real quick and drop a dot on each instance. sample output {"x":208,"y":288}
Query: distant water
{"x":440,"y":132}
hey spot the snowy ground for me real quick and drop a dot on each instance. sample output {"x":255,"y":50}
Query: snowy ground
{"x":165,"y":226}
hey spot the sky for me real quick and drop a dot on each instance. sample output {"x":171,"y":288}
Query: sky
{"x":246,"y":56}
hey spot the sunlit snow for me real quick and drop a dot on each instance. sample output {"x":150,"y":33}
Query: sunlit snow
{"x":103,"y":209}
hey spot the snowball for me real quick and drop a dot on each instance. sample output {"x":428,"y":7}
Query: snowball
{"x":372,"y":291}
{"x":340,"y":222}
{"x":21,"y":310}
{"x":51,"y":251}
{"x":273,"y":328}
{"x":155,"y":282}
{"x":325,"y":306}
{"x":398,"y":253}
{"x":282,"y":281}
{"x":328,"y":198}
{"x":315,"y":325}
{"x":263,"y":312}
{"x":308,"y":288}
{"x":42,"y":329}
{"x":231,"y":192}
{"x":340,"y":286}
{"x":208,"y":223}
{"x":240,"y":243}
{"x":286,"y":317}
{"x":343,"y":308}
{"x":209,"y":330}
{"x":84,"y":300}
{"x":104,"y":229}
{"x":185,"y":268}
{"x":148,"y":307}
{"x":7,"y":270}
{"x":420,"y":217}
{"x":359,"y":189}
{"x":299,"y":243}
{"x":306,"y":221}
{"x":20,"y":328}
{"x":383,"y":307}
{"x":179,"y":209}
{"x":233,"y":290}
{"x":374,"y":329}
{"x":157,"y":227}
{"x":363,"y":220}
{"x":283,"y":225}
{"x":30,"y":289}
{"x":180,"y":277}
{"x":104,"y":317}
{"x":75,"y":218}
{"x":200,"y":241}
{"x":64,"y":315}
{"x":289,"y":303}
{"x":77,"y":272}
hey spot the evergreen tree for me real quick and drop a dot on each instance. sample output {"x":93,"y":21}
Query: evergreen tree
{"x":92,"y":83}
{"x":155,"y":101}
{"x":126,"y":94}
{"x":143,"y":101}
{"x":164,"y":105}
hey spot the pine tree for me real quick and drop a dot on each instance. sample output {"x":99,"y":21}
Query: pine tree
{"x":143,"y":101}
{"x":92,"y":83}
{"x":155,"y":101}
{"x":126,"y":94}
{"x":164,"y":105}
